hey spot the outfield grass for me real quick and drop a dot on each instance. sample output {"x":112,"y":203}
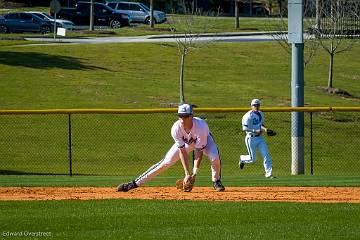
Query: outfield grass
{"x":116,"y":145}
{"x":146,"y":76}
{"x":142,"y":219}
{"x":129,"y":76}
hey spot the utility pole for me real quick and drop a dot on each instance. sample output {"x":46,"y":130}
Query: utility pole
{"x":295,"y":37}
{"x":237,"y":22}
{"x":91,"y":28}
{"x":152,"y":13}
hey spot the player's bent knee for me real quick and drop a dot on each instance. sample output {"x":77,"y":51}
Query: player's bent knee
{"x":215,"y":161}
{"x":164,"y":167}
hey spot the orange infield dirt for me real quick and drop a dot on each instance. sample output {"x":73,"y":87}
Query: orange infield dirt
{"x":238,"y":194}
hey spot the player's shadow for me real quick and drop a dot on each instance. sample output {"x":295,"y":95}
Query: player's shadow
{"x":45,"y":61}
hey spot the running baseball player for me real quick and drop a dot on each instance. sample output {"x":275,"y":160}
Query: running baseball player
{"x":252,"y":124}
{"x":189,"y":133}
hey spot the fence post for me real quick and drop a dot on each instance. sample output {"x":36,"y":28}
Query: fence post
{"x":311,"y":144}
{"x":70,"y":152}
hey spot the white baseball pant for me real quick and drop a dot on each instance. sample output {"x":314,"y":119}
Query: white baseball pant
{"x":172,"y":156}
{"x":252,"y":144}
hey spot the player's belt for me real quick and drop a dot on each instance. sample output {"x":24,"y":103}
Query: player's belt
{"x":254,"y":135}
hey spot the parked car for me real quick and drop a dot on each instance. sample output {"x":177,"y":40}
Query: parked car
{"x":69,"y":25}
{"x":139,"y":12}
{"x":103,"y":15}
{"x":24,"y":22}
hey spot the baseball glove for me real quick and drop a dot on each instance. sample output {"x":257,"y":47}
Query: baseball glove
{"x":188,"y":186}
{"x":270,"y":132}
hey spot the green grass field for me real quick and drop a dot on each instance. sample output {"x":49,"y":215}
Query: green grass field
{"x":203,"y":180}
{"x":146,"y":76}
{"x":109,"y":76}
{"x":136,"y":219}
{"x":114,"y":145}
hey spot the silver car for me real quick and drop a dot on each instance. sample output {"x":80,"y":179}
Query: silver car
{"x":69,"y":25}
{"x":138,"y":12}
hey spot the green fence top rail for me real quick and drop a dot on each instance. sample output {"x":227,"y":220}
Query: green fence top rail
{"x":173,"y":110}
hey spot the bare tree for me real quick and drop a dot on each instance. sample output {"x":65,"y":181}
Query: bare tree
{"x":269,"y":5}
{"x":280,"y":3}
{"x":278,"y":28}
{"x":318,"y":13}
{"x":336,"y":24}
{"x":192,"y":28}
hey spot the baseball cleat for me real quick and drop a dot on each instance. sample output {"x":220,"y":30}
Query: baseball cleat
{"x":241,"y":165}
{"x":218,"y":186}
{"x":126,"y":186}
{"x":270,"y":177}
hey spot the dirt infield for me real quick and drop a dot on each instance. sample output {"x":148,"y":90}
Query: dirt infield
{"x":239,"y":194}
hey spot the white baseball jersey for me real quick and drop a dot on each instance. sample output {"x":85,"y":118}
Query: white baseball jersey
{"x":198,"y":135}
{"x":252,"y":121}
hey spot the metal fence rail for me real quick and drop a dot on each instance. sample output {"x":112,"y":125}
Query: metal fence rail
{"x":127,"y":141}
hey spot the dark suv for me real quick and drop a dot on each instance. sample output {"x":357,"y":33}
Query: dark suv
{"x":103,"y":15}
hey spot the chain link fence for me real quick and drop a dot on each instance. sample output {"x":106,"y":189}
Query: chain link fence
{"x":113,"y":144}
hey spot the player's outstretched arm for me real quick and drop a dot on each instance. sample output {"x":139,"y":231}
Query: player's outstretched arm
{"x":185,"y":163}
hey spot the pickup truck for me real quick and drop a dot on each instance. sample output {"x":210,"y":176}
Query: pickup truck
{"x":103,"y":15}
